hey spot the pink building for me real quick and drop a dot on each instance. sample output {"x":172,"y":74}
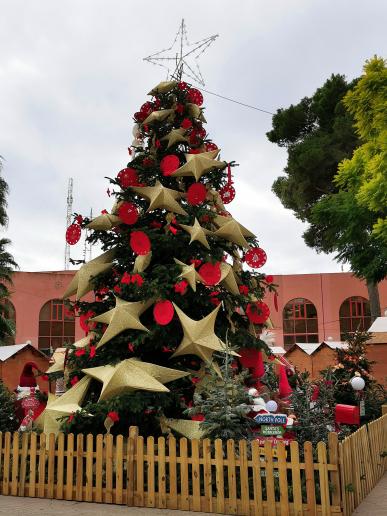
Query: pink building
{"x":311,"y":308}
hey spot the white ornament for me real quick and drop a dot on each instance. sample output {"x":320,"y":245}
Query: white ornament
{"x":259,"y":401}
{"x":357,"y":383}
{"x":253,"y":391}
{"x":289,"y":421}
{"x":136,"y":130}
{"x":272,"y":406}
{"x":136,"y":142}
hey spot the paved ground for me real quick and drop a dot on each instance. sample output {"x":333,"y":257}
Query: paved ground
{"x":376,"y":502}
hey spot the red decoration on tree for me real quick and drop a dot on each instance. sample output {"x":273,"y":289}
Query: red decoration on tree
{"x":83,"y":321}
{"x":113,"y":416}
{"x":181,"y":287}
{"x":182,"y":85}
{"x":79,"y":219}
{"x":148,"y":162}
{"x":210,"y":272}
{"x":147,"y":108}
{"x":269,"y":278}
{"x":195,"y":97}
{"x":169,"y":164}
{"x":139,"y":242}
{"x":210,"y":146}
{"x":284,"y":388}
{"x":244,"y":290}
{"x":80,"y":352}
{"x":347,"y":414}
{"x":227,"y":194}
{"x":196,"y":262}
{"x":180,"y":109}
{"x":73,"y":234}
{"x":139,"y":116}
{"x":125,"y":278}
{"x":186,"y":123}
{"x":196,"y":194}
{"x":257,"y":312}
{"x":255,"y":257}
{"x":128,"y":213}
{"x":127,"y":177}
{"x":92,"y":351}
{"x":74,"y":380}
{"x":163,"y":312}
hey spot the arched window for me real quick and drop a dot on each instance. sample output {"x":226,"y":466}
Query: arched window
{"x":299,"y":322}
{"x":56,"y":325}
{"x":8,"y":312}
{"x":355,"y":315}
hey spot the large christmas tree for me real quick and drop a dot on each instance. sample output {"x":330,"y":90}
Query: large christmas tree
{"x":170,"y":287}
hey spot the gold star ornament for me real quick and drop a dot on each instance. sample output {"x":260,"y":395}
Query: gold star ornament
{"x":197,"y":233}
{"x":188,"y":272}
{"x":227,"y":278}
{"x":82,"y":282}
{"x":104,"y":222}
{"x":125,"y":316}
{"x":231,"y":230}
{"x":163,"y":87}
{"x":160,"y":197}
{"x":199,"y":164}
{"x":158,"y":116}
{"x":185,"y":427}
{"x":132,"y":374}
{"x":175,"y":136}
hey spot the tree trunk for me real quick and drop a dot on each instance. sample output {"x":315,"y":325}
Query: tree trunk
{"x":373,"y":294}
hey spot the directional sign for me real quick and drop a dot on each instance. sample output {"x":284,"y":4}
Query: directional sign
{"x":271,"y":419}
{"x":272,"y":430}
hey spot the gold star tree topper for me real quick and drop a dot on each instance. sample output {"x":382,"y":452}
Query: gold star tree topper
{"x":160,"y":197}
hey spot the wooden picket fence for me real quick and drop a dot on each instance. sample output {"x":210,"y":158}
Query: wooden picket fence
{"x":228,"y":478}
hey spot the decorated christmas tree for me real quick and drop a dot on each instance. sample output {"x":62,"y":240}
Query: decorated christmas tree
{"x":171,"y":284}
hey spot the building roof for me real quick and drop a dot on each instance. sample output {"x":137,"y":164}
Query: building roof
{"x":309,"y":348}
{"x":7,"y":352}
{"x":379,"y":325}
{"x":379,"y":337}
{"x":277,"y":350}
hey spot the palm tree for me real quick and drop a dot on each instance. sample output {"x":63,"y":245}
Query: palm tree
{"x":3,"y":197}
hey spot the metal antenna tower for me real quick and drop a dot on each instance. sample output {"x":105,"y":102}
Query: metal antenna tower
{"x":87,"y":248}
{"x":68,"y":220}
{"x":183,"y":55}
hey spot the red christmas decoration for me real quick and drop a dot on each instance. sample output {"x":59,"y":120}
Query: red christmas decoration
{"x":252,"y":359}
{"x":130,"y":347}
{"x":210,"y":146}
{"x":244,"y":290}
{"x":227,"y":194}
{"x":125,"y":278}
{"x":139,"y":242}
{"x":181,"y":287}
{"x":83,"y":321}
{"x":182,"y":85}
{"x":92,"y":351}
{"x":255,"y":257}
{"x":257,"y":312}
{"x":284,"y":388}
{"x":169,"y":164}
{"x":186,"y":123}
{"x":197,"y":417}
{"x":210,"y":272}
{"x":163,"y":312}
{"x":139,"y":116}
{"x":196,"y":194}
{"x":180,"y":109}
{"x":347,"y":415}
{"x":148,"y":162}
{"x":269,"y":278}
{"x":128,"y":213}
{"x":195,"y":97}
{"x":74,"y":380}
{"x":196,"y":262}
{"x":113,"y":416}
{"x":79,"y":219}
{"x":127,"y":177}
{"x":117,"y":289}
{"x":147,"y":108}
{"x":73,"y":234}
{"x":80,"y":352}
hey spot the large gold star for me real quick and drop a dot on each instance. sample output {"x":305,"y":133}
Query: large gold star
{"x":65,"y":405}
{"x":132,"y":374}
{"x":163,"y":87}
{"x":231,"y":230}
{"x":175,"y":136}
{"x":196,"y":112}
{"x":185,"y":427}
{"x":160,"y":197}
{"x":188,"y":272}
{"x":198,"y":164}
{"x":104,"y":222}
{"x":125,"y":316}
{"x":82,"y":282}
{"x":158,"y":116}
{"x":197,"y":233}
{"x":199,"y":336}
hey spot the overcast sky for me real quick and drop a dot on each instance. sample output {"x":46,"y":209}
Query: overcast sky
{"x":72,"y":75}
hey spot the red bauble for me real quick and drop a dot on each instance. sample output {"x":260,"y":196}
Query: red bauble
{"x":200,"y":132}
{"x":255,"y":257}
{"x":186,"y":123}
{"x":139,"y":242}
{"x":169,"y":164}
{"x":128,"y":213}
{"x":163,"y":312}
{"x":182,"y":85}
{"x":227,"y":194}
{"x":139,"y":116}
{"x":127,"y":177}
{"x":196,"y":194}
{"x":73,"y":234}
{"x":257,"y":312}
{"x":195,"y":97}
{"x":209,"y":146}
{"x":210,"y":272}
{"x":83,"y":321}
{"x":146,"y":109}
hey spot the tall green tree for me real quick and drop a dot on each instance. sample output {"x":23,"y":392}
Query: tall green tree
{"x":319,"y":134}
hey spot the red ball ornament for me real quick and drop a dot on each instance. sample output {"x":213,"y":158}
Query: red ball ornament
{"x":83,"y":321}
{"x":195,"y":97}
{"x":163,"y":312}
{"x":127,"y":177}
{"x":139,"y":242}
{"x":209,"y":146}
{"x":147,"y":108}
{"x":257,"y":312}
{"x":227,"y":194}
{"x":73,"y":234}
{"x":128,"y":213}
{"x":139,"y":116}
{"x":186,"y":123}
{"x":182,"y":85}
{"x":169,"y":164}
{"x":196,"y":194}
{"x":210,"y":272}
{"x":255,"y":257}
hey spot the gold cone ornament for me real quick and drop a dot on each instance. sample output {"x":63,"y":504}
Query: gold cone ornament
{"x":163,"y":87}
{"x":196,"y":112}
{"x":104,"y":222}
{"x":82,"y":282}
{"x":124,"y":316}
{"x":227,"y":278}
{"x":82,"y":343}
{"x":175,"y":136}
{"x":58,"y":365}
{"x":199,"y":336}
{"x":132,"y":374}
{"x":185,"y":427}
{"x":141,"y":262}
{"x":158,"y":116}
{"x":199,"y":164}
{"x":197,"y":233}
{"x":160,"y":197}
{"x":231,"y":230}
{"x":188,"y":272}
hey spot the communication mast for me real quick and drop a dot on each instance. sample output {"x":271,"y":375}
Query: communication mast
{"x":68,"y":220}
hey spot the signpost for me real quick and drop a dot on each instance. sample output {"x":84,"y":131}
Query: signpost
{"x":272,"y":430}
{"x":271,"y":419}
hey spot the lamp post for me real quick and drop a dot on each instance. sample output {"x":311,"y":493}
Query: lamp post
{"x":358,"y":384}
